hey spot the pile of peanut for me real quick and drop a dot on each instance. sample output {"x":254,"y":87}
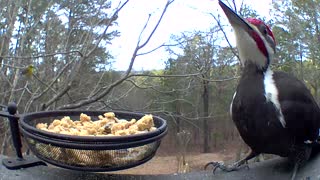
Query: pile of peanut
{"x":107,"y":125}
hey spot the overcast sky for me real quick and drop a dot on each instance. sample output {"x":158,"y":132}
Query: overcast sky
{"x":181,"y":16}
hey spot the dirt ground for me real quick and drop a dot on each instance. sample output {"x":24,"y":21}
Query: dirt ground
{"x":164,"y":163}
{"x":169,"y":164}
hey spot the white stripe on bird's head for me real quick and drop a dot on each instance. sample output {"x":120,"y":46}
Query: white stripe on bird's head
{"x":253,"y":47}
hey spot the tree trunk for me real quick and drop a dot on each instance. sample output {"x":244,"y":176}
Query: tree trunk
{"x":206,"y":131}
{"x":178,"y":119}
{"x":10,"y":21}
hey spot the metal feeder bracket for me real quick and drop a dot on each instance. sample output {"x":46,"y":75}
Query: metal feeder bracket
{"x":19,"y":161}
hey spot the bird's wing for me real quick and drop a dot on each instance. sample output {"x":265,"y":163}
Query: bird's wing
{"x":300,"y":110}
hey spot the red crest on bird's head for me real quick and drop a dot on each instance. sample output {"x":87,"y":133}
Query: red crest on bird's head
{"x":258,"y":22}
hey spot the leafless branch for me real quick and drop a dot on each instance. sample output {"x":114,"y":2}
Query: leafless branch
{"x":83,"y":58}
{"x":241,"y":6}
{"x":162,"y":45}
{"x":31,"y":100}
{"x":41,"y":55}
{"x":49,"y":86}
{"x":12,"y":90}
{"x":56,"y":97}
{"x":108,"y":89}
{"x":123,"y":95}
{"x":220,"y":80}
{"x":159,"y":91}
{"x":143,"y":29}
{"x":25,"y":89}
{"x":138,"y":47}
{"x":106,"y":29}
{"x":95,"y":89}
{"x":234,"y":5}
{"x":3,"y":76}
{"x":155,"y":28}
{"x":175,"y":100}
{"x":45,"y":84}
{"x":184,"y":118}
{"x":185,"y":75}
{"x":166,"y":76}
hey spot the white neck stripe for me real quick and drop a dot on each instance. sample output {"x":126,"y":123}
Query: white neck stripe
{"x":271,"y":94}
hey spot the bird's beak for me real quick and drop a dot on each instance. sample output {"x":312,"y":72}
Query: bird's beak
{"x":235,"y":20}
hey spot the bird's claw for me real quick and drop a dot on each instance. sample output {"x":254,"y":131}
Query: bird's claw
{"x":226,"y":168}
{"x":215,"y":165}
{"x":245,"y":165}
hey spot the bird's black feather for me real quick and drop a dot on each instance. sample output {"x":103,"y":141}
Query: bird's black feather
{"x":257,"y":119}
{"x":299,"y":108}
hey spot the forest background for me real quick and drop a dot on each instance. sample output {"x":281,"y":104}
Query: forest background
{"x":57,"y":55}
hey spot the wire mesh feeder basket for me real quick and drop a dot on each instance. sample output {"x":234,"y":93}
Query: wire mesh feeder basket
{"x":90,"y":153}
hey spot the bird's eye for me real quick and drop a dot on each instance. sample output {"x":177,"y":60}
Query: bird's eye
{"x":264,"y":30}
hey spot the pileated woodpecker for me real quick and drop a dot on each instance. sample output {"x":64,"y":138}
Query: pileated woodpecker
{"x":273,"y":111}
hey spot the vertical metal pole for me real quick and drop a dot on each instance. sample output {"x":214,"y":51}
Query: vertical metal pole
{"x":14,"y":127}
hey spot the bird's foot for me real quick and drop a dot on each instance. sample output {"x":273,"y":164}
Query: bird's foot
{"x":227,"y":168}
